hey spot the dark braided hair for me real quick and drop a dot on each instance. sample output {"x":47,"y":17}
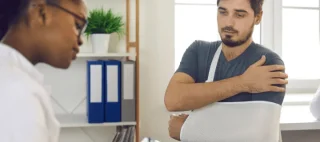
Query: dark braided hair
{"x":11,"y":12}
{"x":256,"y":5}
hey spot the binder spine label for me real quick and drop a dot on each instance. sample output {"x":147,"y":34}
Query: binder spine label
{"x":95,"y":87}
{"x":112,"y":83}
{"x":128,"y":81}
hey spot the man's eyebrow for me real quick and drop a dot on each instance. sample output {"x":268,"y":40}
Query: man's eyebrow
{"x":237,"y":10}
{"x":222,"y":8}
{"x":240,"y":10}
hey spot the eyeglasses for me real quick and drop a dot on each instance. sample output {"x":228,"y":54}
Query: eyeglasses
{"x":81,"y":28}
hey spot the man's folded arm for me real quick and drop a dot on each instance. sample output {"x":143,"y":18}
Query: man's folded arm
{"x":183,"y":94}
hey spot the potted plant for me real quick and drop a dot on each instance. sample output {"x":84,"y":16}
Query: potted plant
{"x":101,"y":24}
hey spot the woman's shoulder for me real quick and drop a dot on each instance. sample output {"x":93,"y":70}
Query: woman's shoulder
{"x":14,"y":80}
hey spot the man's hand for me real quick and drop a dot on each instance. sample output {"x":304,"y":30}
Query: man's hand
{"x":258,"y":78}
{"x":175,"y":125}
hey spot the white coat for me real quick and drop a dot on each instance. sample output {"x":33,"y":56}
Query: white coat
{"x":315,"y":105}
{"x":26,"y":113}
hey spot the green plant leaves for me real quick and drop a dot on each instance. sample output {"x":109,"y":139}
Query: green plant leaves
{"x":104,"y":22}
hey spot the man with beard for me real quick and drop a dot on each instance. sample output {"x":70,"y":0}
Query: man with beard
{"x":245,"y":71}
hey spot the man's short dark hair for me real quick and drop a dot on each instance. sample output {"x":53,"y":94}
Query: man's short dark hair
{"x":256,"y":5}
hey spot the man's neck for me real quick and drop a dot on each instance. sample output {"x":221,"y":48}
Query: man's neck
{"x":18,"y":41}
{"x":233,"y":52}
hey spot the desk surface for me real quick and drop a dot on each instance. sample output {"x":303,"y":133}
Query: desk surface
{"x":298,"y":117}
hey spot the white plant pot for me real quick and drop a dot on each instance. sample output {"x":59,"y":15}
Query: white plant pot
{"x":100,"y":43}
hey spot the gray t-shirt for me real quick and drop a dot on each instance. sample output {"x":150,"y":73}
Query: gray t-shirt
{"x":197,"y":59}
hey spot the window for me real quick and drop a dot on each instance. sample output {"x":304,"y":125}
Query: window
{"x":196,"y":20}
{"x":297,"y":40}
{"x":289,"y":27}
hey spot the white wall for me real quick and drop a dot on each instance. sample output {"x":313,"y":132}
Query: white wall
{"x":156,"y":68}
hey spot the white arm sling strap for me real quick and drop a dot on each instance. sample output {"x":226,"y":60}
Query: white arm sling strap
{"x":254,"y":121}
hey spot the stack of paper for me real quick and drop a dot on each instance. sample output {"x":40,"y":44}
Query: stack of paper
{"x":254,"y":121}
{"x":125,"y":134}
{"x":149,"y":140}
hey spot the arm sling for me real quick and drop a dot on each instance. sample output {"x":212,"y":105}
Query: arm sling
{"x":251,"y":121}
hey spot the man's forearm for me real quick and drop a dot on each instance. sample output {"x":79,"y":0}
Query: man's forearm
{"x":191,"y":96}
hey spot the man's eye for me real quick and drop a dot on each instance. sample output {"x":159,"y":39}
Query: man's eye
{"x":240,"y":15}
{"x":223,"y":12}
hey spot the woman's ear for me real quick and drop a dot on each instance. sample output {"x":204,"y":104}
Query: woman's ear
{"x":38,"y":13}
{"x":42,"y":13}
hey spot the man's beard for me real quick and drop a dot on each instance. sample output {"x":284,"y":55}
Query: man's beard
{"x":231,"y":43}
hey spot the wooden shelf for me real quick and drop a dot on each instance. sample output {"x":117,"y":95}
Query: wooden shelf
{"x":89,"y":55}
{"x":80,"y":120}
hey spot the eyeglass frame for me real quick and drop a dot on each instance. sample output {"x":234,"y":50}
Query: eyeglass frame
{"x":85,"y":21}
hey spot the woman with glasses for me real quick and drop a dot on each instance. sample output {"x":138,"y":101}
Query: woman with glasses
{"x":32,"y":32}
